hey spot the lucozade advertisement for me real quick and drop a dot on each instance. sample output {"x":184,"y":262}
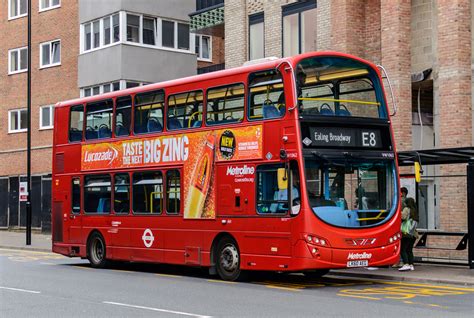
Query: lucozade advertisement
{"x":195,"y":152}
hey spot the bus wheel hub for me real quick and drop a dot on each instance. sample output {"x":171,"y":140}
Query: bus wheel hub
{"x":229,"y":258}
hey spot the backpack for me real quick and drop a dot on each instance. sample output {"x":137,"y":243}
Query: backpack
{"x":409,"y":228}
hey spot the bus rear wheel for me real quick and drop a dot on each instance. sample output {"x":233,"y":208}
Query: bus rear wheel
{"x":96,"y":252}
{"x":228,"y":260}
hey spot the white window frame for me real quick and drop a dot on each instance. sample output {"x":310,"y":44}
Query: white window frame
{"x":10,"y":131}
{"x":93,"y":34}
{"x":199,"y":57}
{"x":10,"y":17}
{"x":101,"y":33}
{"x":51,"y":117}
{"x":51,"y":7}
{"x":41,"y":54}
{"x":101,"y":88}
{"x":10,"y":72}
{"x":140,"y":30}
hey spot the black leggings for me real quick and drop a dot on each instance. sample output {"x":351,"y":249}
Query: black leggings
{"x":407,"y":250}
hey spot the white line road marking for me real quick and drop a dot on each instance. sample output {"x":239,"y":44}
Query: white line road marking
{"x":21,"y":290}
{"x":156,"y":309}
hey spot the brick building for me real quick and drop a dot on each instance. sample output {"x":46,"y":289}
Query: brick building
{"x":81,"y":48}
{"x":54,"y":52}
{"x":425,"y":45}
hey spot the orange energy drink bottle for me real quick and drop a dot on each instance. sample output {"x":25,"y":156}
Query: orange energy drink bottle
{"x":200,"y":182}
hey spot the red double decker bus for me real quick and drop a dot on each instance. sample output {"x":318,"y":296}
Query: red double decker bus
{"x":284,"y":165}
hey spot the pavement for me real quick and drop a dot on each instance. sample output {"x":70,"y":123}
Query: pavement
{"x":423,"y":273}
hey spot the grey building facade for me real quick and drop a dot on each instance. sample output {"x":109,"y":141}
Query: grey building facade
{"x":129,"y":43}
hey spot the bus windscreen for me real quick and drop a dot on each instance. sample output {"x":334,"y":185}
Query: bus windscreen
{"x":331,"y":86}
{"x":358,"y":194}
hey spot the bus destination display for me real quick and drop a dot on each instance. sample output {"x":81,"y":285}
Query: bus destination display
{"x":345,"y":137}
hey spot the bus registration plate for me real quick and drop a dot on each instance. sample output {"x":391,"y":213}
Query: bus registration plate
{"x":358,"y":263}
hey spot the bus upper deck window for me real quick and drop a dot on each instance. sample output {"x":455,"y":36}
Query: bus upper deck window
{"x":266,"y":95}
{"x":225,"y":105}
{"x":99,"y":120}
{"x":148,"y":112}
{"x":76,"y":121}
{"x":123,"y":113}
{"x":184,"y":110}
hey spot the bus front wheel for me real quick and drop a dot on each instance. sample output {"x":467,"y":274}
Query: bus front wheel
{"x":228,"y":259}
{"x":96,"y":251}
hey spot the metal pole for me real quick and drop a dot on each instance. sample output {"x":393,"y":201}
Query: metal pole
{"x":470,"y":213}
{"x":28,"y":146}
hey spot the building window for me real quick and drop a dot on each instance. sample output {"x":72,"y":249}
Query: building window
{"x":49,"y":4}
{"x":203,"y":45}
{"x":116,"y":27}
{"x":256,"y":36}
{"x":299,"y":24}
{"x":18,"y":60}
{"x":46,"y":117}
{"x":17,"y":120}
{"x":167,"y":28}
{"x":50,"y":53}
{"x":100,"y":89}
{"x":17,"y":8}
{"x":106,"y":31}
{"x":133,"y":28}
{"x":132,"y":84}
{"x":87,"y":37}
{"x":101,"y":32}
{"x":183,"y":36}
{"x":96,"y":34}
{"x":149,"y":27}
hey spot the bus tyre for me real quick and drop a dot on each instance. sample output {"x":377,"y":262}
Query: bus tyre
{"x":228,"y":259}
{"x":317,"y":273}
{"x":96,"y":251}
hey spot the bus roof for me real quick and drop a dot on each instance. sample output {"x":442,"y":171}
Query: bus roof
{"x":212,"y":75}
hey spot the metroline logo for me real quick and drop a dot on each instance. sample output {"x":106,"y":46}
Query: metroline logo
{"x":359,"y":255}
{"x":240,"y":171}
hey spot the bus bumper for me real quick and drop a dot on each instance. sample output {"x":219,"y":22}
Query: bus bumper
{"x":308,"y":257}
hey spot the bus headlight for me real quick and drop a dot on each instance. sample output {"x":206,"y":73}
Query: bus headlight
{"x":316,"y":240}
{"x":394,"y":238}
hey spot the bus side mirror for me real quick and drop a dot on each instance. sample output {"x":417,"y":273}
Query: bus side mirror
{"x":418,"y":172}
{"x":282,"y":179}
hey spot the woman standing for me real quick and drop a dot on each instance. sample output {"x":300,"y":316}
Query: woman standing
{"x":409,"y":224}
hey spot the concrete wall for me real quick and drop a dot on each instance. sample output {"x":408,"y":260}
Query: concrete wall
{"x":134,"y":63}
{"x":176,"y":9}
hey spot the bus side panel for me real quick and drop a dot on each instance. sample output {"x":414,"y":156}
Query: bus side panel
{"x":57,"y":221}
{"x":146,"y":240}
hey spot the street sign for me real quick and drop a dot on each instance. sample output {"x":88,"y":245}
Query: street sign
{"x":23,"y":191}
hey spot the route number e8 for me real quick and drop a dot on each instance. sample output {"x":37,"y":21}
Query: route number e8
{"x":368,"y":139}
